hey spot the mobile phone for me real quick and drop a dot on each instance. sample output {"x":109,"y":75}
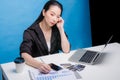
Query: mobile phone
{"x":55,"y":67}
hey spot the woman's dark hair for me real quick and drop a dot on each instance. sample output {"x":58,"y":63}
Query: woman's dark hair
{"x":46,"y":7}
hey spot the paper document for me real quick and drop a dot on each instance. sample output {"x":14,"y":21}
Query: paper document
{"x":55,"y":75}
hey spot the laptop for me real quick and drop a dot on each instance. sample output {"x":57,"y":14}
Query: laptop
{"x":87,"y":56}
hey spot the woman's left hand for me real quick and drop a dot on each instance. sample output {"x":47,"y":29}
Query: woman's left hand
{"x":60,"y":23}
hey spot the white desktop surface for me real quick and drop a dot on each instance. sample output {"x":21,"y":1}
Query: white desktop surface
{"x":108,"y":69}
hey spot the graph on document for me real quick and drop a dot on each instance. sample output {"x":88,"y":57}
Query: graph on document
{"x":64,"y":74}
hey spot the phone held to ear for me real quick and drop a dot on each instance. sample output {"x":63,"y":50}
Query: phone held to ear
{"x":55,"y":67}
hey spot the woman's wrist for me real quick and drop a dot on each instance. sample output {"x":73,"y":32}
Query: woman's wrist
{"x":61,"y":30}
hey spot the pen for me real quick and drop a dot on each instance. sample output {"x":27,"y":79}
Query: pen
{"x":30,"y":75}
{"x":42,"y":60}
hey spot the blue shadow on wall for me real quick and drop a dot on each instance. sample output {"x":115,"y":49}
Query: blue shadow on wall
{"x":17,"y":15}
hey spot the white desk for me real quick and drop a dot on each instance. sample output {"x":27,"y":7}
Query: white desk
{"x":109,"y":69}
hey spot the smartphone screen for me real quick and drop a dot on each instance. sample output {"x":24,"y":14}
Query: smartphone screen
{"x":55,"y":67}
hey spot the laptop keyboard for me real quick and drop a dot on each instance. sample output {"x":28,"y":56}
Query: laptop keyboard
{"x":88,"y":56}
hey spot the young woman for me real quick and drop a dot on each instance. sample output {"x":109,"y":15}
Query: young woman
{"x":45,"y":36}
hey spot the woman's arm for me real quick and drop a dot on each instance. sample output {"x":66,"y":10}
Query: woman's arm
{"x":25,"y":52}
{"x":64,"y":41}
{"x":45,"y":68}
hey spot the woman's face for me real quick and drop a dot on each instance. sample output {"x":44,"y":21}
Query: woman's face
{"x":52,"y":15}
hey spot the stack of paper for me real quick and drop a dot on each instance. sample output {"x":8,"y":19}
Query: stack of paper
{"x":56,"y":75}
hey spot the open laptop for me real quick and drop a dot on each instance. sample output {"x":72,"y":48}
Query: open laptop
{"x":87,"y":56}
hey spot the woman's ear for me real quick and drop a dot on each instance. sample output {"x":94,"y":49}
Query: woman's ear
{"x":43,"y":12}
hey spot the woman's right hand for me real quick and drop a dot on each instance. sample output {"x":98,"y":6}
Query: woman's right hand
{"x":44,"y":68}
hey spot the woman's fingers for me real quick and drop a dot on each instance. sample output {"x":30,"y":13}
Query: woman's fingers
{"x":45,"y":68}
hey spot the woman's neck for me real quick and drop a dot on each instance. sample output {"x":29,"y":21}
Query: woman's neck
{"x":44,"y":26}
{"x":47,"y":31}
